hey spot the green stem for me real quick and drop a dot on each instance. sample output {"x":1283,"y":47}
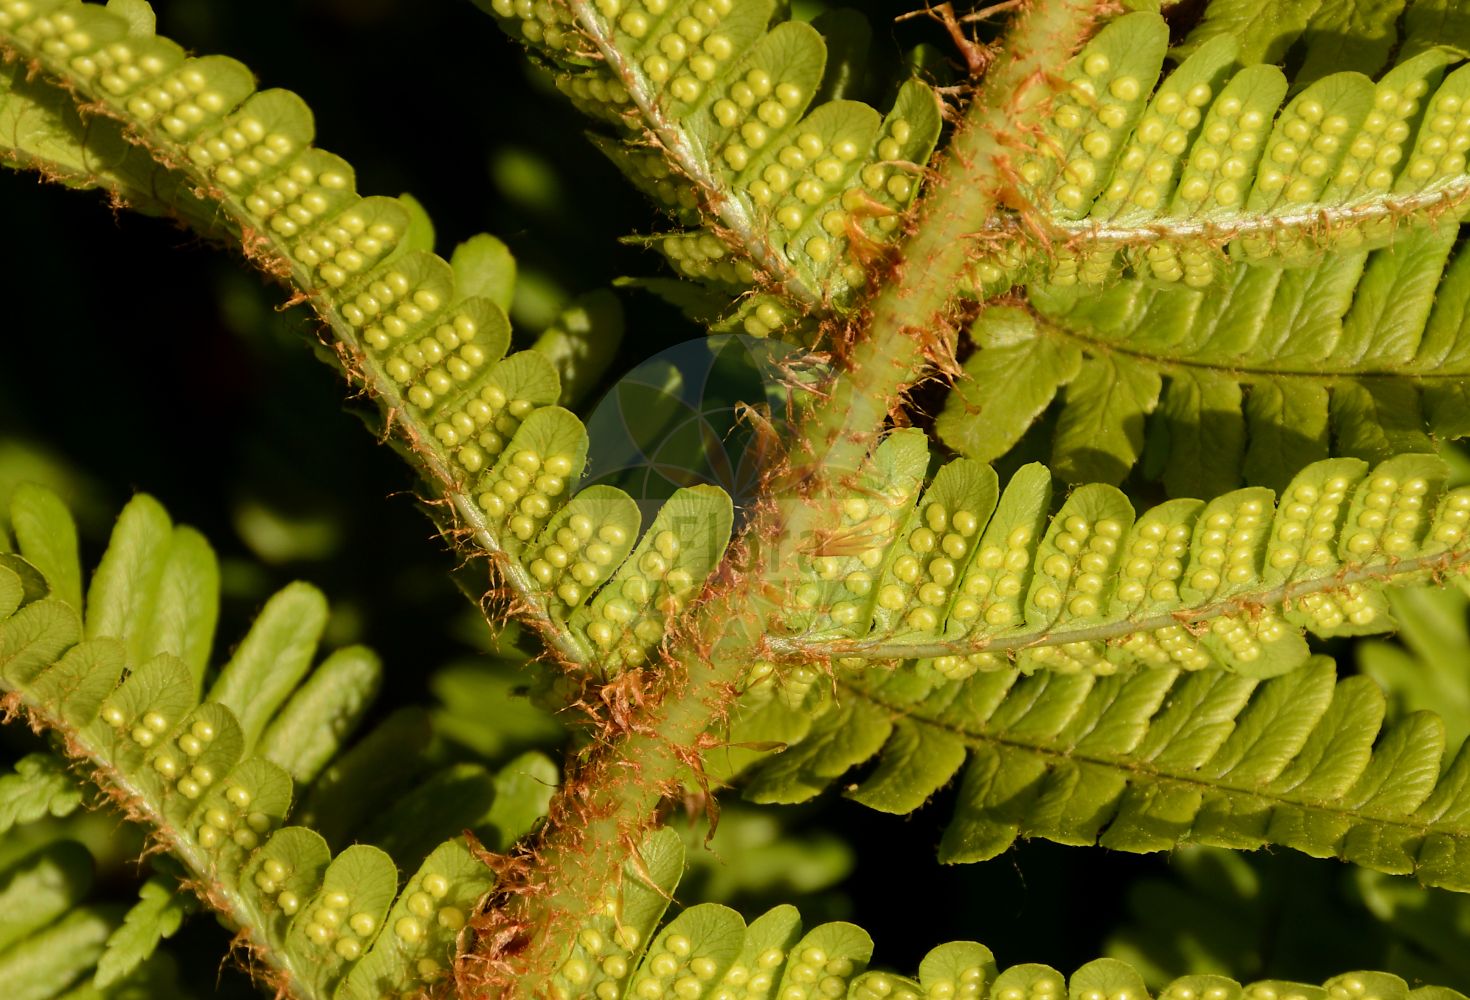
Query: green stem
{"x":600,"y":815}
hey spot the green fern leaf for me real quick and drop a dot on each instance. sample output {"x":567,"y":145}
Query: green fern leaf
{"x":41,"y":887}
{"x":1364,"y":354}
{"x":1160,"y":183}
{"x":159,"y":912}
{"x":1224,"y":912}
{"x":707,"y":951}
{"x":803,"y":192}
{"x":191,"y":769}
{"x":39,"y":786}
{"x":322,"y":713}
{"x":1143,"y":760}
{"x":1333,"y":35}
{"x":523,"y":791}
{"x":273,"y":657}
{"x":51,"y":935}
{"x":482,"y":427}
{"x":56,"y":956}
{"x":157,"y":589}
{"x":1231,"y":583}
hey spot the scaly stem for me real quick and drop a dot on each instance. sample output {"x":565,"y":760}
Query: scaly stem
{"x":599,"y":817}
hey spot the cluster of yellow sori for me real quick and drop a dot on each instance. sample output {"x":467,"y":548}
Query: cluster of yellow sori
{"x":682,"y":47}
{"x":707,"y":951}
{"x":596,"y":92}
{"x":191,"y":778}
{"x":522,"y":488}
{"x":957,"y":668}
{"x":814,"y":184}
{"x":994,"y":585}
{"x":1227,"y":545}
{"x":705,"y":257}
{"x":1388,"y":516}
{"x":813,"y":974}
{"x":671,"y":969}
{"x":582,"y":545}
{"x":315,"y":186}
{"x":424,"y":899}
{"x":633,"y":620}
{"x":231,"y":820}
{"x":650,"y":171}
{"x":1444,"y":139}
{"x":1170,"y":646}
{"x":755,"y":980}
{"x":329,"y":923}
{"x":271,"y":878}
{"x":1154,"y":555}
{"x":821,"y":182}
{"x":1151,"y":160}
{"x":476,"y":426}
{"x":1307,"y":140}
{"x":1256,"y":573}
{"x":490,"y":414}
{"x":923,"y":578}
{"x":1243,"y":636}
{"x":1215,"y":146}
{"x":267,"y":131}
{"x":541,"y":22}
{"x":602,"y":957}
{"x":1078,"y":560}
{"x":834,"y":583}
{"x":1039,"y":983}
{"x":1305,"y":530}
{"x":1082,"y":656}
{"x":1352,"y":605}
{"x":967,"y":984}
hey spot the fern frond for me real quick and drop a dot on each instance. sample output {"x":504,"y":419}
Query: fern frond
{"x":483,"y":429}
{"x":158,"y":914}
{"x":38,"y":786}
{"x":974,"y":576}
{"x":1158,"y":179}
{"x":1363,"y":354}
{"x":120,"y":682}
{"x":709,"y":951}
{"x":717,"y":118}
{"x":1143,"y":760}
{"x":53,"y":934}
{"x":42,"y":130}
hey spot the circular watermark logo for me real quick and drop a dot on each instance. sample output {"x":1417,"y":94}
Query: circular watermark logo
{"x":682,"y":418}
